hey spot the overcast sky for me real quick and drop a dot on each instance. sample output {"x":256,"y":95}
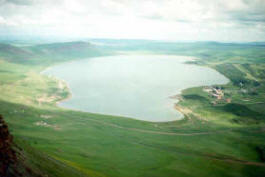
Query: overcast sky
{"x":219,"y":20}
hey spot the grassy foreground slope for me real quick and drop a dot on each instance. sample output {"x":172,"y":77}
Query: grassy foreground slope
{"x":216,"y":138}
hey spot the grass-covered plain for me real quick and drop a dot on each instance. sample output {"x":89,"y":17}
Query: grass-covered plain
{"x":216,"y":138}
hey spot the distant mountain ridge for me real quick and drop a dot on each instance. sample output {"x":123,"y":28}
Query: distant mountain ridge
{"x":64,"y":47}
{"x":48,"y":52}
{"x":12,"y":53}
{"x":69,"y":49}
{"x":64,"y":51}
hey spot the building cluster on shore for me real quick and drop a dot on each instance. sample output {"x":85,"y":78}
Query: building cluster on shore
{"x":217,"y":93}
{"x":214,"y":92}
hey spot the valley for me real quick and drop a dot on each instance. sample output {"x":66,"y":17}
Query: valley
{"x":217,"y":136}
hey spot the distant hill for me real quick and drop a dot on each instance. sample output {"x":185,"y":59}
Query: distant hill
{"x":67,"y":49}
{"x":64,"y":51}
{"x":15,"y":54}
{"x":48,"y":52}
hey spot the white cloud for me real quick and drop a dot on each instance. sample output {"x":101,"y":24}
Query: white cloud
{"x":152,"y":19}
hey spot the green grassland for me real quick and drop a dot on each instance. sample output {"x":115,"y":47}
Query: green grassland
{"x":216,"y":137}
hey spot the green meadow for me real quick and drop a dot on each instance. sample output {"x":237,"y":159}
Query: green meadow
{"x":217,"y":138}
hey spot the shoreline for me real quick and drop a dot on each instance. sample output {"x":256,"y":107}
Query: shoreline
{"x":177,"y":97}
{"x":70,"y":93}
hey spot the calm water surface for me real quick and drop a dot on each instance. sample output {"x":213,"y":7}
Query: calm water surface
{"x":137,"y":86}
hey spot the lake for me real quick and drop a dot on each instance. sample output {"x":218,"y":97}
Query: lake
{"x":135,"y":86}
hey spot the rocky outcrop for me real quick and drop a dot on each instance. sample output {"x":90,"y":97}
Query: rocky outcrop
{"x":8,"y":158}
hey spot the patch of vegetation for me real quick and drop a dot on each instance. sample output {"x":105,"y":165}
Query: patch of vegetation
{"x":235,"y":75}
{"x":244,"y":114}
{"x":194,"y":97}
{"x":261,"y":151}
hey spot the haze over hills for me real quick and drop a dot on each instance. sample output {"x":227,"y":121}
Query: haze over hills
{"x":80,"y":49}
{"x":12,"y":53}
{"x":65,"y":50}
{"x":44,"y":52}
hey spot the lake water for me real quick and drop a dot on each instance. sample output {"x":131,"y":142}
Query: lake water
{"x":136,"y":86}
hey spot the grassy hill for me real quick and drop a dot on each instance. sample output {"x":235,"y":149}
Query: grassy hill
{"x":67,"y":50}
{"x":19,"y":159}
{"x":48,"y":53}
{"x":216,"y":137}
{"x":14,"y":54}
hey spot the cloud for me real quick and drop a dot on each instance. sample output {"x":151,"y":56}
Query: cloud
{"x":232,"y":11}
{"x":155,"y":19}
{"x":18,"y":2}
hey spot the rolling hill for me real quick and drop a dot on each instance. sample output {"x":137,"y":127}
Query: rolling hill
{"x":48,"y":53}
{"x":14,"y":54}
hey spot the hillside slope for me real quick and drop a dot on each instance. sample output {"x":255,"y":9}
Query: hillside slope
{"x":48,"y":53}
{"x":67,"y":50}
{"x":18,"y":159}
{"x":14,"y":54}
